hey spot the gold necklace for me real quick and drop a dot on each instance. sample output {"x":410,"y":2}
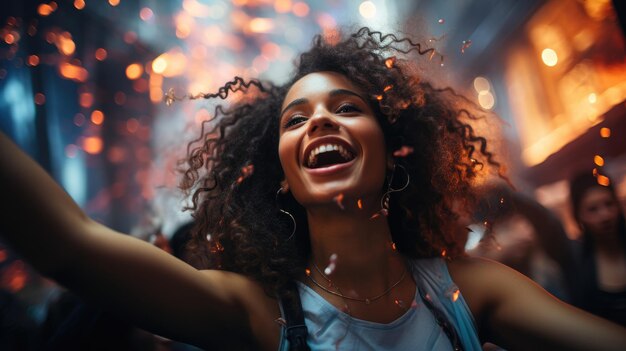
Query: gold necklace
{"x":367,"y":301}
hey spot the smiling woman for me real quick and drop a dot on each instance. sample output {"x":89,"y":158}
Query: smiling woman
{"x":327,"y":204}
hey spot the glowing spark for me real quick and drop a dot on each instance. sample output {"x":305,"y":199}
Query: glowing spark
{"x":390,"y":62}
{"x":404,"y":151}
{"x":399,"y":303}
{"x":387,"y":88}
{"x":453,"y":293}
{"x":501,"y":200}
{"x":603,"y":180}
{"x":379,"y":97}
{"x":605,"y":132}
{"x":359,"y":203}
{"x":339,"y":200}
{"x":432,"y":54}
{"x":307,"y":272}
{"x":465,"y":45}
{"x":598,"y":160}
{"x":443,"y":253}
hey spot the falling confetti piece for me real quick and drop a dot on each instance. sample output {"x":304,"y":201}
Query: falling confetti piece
{"x":453,"y":293}
{"x":441,"y":21}
{"x":393,"y":246}
{"x":387,"y":88}
{"x":465,"y":45}
{"x":390,"y":62}
{"x":339,"y":200}
{"x":443,"y":253}
{"x":399,"y":303}
{"x":379,"y":97}
{"x":404,"y":151}
{"x":359,"y":203}
{"x":307,"y":272}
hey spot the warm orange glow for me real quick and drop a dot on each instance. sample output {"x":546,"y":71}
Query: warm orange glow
{"x":300,"y":9}
{"x":130,"y":37}
{"x":146,"y":14}
{"x":603,"y":180}
{"x":605,"y":132}
{"x":307,"y":271}
{"x":261,"y":25}
{"x":134,"y":71}
{"x":33,"y":60}
{"x":85,"y":100}
{"x":40,"y":99}
{"x":359,"y":203}
{"x":97,"y":117}
{"x":65,"y":44}
{"x":455,"y":295}
{"x":114,"y":2}
{"x":170,"y":64}
{"x":156,"y":88}
{"x":387,"y":88}
{"x":9,"y":38}
{"x":73,"y":72}
{"x":79,"y":4}
{"x":282,"y":6}
{"x":598,"y":160}
{"x":443,"y":253}
{"x":53,"y":5}
{"x":379,"y":97}
{"x":45,"y":10}
{"x":101,"y":54}
{"x":592,"y":98}
{"x":549,"y":57}
{"x":93,"y":145}
{"x":270,"y":50}
{"x":390,"y":62}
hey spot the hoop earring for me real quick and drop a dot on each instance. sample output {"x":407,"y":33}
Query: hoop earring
{"x":384,"y":201}
{"x":280,"y":190}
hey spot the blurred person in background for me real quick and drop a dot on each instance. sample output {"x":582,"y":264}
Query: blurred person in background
{"x":602,"y":253}
{"x":528,"y":237}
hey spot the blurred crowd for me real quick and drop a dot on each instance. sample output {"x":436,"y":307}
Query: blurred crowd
{"x":507,"y":226}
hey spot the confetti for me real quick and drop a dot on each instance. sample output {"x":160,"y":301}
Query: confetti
{"x":387,"y":88}
{"x":404,"y":151}
{"x":441,"y":21}
{"x":399,"y":303}
{"x":379,"y":97}
{"x":393,"y":246}
{"x":465,"y":45}
{"x":390,"y":62}
{"x":331,"y":265}
{"x":501,"y":200}
{"x":453,"y":293}
{"x":443,"y":253}
{"x":307,"y":272}
{"x":339,"y":200}
{"x":359,"y":204}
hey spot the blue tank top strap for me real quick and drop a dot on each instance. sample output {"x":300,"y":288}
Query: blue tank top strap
{"x":434,"y":278}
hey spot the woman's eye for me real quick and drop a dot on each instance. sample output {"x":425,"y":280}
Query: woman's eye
{"x":347,"y":108}
{"x":294,"y":120}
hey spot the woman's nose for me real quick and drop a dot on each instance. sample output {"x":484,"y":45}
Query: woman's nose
{"x":322,"y":120}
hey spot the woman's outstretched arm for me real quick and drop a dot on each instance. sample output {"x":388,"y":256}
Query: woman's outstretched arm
{"x":518,"y":314}
{"x":133,"y":278}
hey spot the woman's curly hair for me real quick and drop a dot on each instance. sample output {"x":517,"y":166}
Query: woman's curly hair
{"x":233,"y":170}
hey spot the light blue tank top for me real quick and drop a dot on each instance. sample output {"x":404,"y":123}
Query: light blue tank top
{"x":417,"y":329}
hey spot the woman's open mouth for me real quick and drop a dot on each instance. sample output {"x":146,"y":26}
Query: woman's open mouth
{"x":328,"y":153}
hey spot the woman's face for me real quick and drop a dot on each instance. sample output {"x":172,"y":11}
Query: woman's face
{"x":599,"y":211}
{"x":330,"y":141}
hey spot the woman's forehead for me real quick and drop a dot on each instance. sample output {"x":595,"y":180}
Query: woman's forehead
{"x":318,"y":83}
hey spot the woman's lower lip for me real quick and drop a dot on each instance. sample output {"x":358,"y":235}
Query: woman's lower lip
{"x":330,"y":170}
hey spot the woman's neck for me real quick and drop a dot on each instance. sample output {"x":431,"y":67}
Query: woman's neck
{"x":364,"y":256}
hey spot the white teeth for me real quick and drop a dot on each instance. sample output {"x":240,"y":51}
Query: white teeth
{"x":327,"y":148}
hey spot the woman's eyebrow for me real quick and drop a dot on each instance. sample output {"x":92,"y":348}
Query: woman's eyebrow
{"x":295,"y":102}
{"x":336,"y":92}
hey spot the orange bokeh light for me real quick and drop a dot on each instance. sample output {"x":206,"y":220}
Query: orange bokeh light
{"x":134,"y":71}
{"x":300,"y":9}
{"x":605,"y":132}
{"x":146,"y":14}
{"x":97,"y":117}
{"x":9,"y":38}
{"x":603,"y":180}
{"x":93,"y":145}
{"x":101,"y":54}
{"x":74,"y":72}
{"x":33,"y":60}
{"x":79,"y":4}
{"x":598,"y":160}
{"x":85,"y":100}
{"x":45,"y":10}
{"x":114,"y":2}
